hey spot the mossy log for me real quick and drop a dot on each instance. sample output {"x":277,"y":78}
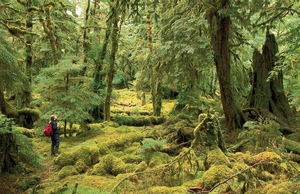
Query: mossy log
{"x":130,"y":113}
{"x":290,"y":145}
{"x":138,"y":120}
{"x":8,"y":151}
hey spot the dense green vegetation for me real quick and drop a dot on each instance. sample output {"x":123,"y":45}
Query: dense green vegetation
{"x":169,"y":96}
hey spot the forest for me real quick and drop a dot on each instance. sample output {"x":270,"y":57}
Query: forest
{"x":151,"y":96}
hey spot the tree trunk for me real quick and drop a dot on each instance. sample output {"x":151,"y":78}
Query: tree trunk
{"x":48,"y":26}
{"x":156,"y":92}
{"x":98,"y":110}
{"x":157,"y":95}
{"x":268,"y":93}
{"x":219,"y":29}
{"x":111,"y":71}
{"x":8,"y":150}
{"x":2,"y":99}
{"x":85,"y":43}
{"x":27,"y":91}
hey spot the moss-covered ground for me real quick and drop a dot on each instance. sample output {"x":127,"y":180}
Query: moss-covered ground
{"x":155,"y":156}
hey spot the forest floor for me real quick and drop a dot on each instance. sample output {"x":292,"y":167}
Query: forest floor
{"x":113,"y":158}
{"x":126,"y":101}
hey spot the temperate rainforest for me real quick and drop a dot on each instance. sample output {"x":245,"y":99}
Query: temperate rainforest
{"x":150,"y":97}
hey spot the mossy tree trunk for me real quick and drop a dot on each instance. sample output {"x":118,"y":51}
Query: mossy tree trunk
{"x":48,"y":26}
{"x":268,"y":94}
{"x":156,"y":90}
{"x":98,"y":75}
{"x":28,"y":48}
{"x":114,"y":49}
{"x":85,"y":42}
{"x":220,"y":30}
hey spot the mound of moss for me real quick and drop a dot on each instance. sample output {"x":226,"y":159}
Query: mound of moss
{"x":67,"y":171}
{"x":214,"y":175}
{"x":216,"y":157}
{"x":89,"y":155}
{"x":109,"y":164}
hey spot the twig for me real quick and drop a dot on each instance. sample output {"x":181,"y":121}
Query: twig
{"x":75,"y":188}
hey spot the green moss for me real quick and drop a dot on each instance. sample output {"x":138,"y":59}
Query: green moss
{"x":214,"y":175}
{"x":282,"y":188}
{"x":67,"y":171}
{"x":216,"y":157}
{"x":141,"y":167}
{"x":138,"y":120}
{"x":239,"y":167}
{"x":28,"y":182}
{"x":109,"y":164}
{"x":103,"y":149}
{"x":80,"y":166}
{"x":64,"y":159}
{"x":165,"y":190}
{"x":89,"y":155}
{"x":265,"y":176}
{"x":267,"y":157}
{"x":243,"y":157}
{"x":159,"y":158}
{"x":131,"y":158}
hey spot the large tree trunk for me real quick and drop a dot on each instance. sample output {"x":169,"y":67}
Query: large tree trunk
{"x":29,"y":25}
{"x":111,"y":71}
{"x":268,"y":93}
{"x":219,"y":28}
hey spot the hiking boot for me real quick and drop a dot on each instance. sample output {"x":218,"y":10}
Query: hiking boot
{"x":52,"y":150}
{"x":55,"y":151}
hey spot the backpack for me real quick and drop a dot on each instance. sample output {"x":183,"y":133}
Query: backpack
{"x":48,"y":130}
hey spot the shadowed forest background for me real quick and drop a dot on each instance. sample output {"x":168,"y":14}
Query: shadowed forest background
{"x":170,"y":96}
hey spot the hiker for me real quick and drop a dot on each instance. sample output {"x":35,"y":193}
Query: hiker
{"x":54,"y":135}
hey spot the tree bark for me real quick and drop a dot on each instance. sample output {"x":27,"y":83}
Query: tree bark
{"x":268,"y":93}
{"x":2,"y":99}
{"x":85,"y":43}
{"x":156,"y":90}
{"x":8,"y":151}
{"x":48,"y":26}
{"x":111,"y":71}
{"x":29,"y":25}
{"x":98,"y":75}
{"x":220,"y":29}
